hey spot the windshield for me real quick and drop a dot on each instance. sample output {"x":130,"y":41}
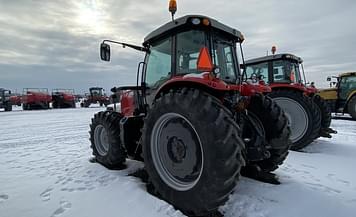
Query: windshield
{"x":96,"y":92}
{"x":346,"y":85}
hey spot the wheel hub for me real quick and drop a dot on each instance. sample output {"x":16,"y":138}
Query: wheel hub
{"x":176,"y":149}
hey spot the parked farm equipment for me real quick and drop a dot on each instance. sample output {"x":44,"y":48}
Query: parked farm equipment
{"x":308,"y":113}
{"x":190,"y":117}
{"x":342,"y":97}
{"x":95,"y":95}
{"x":63,"y":98}
{"x":35,"y":98}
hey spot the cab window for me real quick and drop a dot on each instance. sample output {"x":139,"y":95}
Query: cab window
{"x":280,"y":72}
{"x":158,"y":68}
{"x":188,"y":47}
{"x":223,"y":58}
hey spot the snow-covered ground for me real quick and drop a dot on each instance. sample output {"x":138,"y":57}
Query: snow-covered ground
{"x":45,"y":172}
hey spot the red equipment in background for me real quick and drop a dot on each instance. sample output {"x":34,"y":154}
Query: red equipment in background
{"x":35,"y":98}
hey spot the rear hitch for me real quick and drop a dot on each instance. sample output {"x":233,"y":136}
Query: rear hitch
{"x":330,"y":130}
{"x":255,"y":172}
{"x":325,"y":132}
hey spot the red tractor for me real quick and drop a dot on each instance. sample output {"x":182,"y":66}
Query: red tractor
{"x":96,"y":95}
{"x":35,"y":98}
{"x":308,"y":114}
{"x":63,"y":98}
{"x":190,"y":118}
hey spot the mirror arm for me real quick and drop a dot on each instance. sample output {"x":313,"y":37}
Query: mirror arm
{"x":139,"y":48}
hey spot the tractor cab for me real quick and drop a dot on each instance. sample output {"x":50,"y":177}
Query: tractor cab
{"x":96,"y":91}
{"x":346,"y":85}
{"x":276,"y":69}
{"x":4,"y":94}
{"x":189,"y":47}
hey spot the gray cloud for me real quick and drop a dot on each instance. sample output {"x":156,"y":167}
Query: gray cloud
{"x":55,"y":44}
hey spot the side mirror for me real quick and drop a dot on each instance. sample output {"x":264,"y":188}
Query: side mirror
{"x":242,"y":66}
{"x":328,"y":78}
{"x":105,"y":52}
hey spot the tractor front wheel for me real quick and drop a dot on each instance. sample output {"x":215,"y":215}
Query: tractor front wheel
{"x":351,"y":107}
{"x":105,"y":139}
{"x":192,"y":151}
{"x":277,"y":132}
{"x":324,"y":112}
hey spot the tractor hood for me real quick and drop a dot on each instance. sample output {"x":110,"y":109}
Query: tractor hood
{"x":328,"y":93}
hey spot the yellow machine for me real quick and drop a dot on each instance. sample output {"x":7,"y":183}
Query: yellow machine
{"x":342,"y":97}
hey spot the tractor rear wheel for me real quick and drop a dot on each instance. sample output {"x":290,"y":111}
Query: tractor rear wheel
{"x":192,"y":151}
{"x":324,"y":111}
{"x":303,"y":116}
{"x":105,"y":139}
{"x":277,"y":131}
{"x":351,"y":107}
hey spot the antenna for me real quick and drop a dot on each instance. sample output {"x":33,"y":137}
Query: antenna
{"x":172,"y":7}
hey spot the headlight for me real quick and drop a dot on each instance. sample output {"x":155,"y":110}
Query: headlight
{"x":196,"y":21}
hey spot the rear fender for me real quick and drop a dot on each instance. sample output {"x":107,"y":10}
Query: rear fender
{"x":296,"y":88}
{"x":128,"y":103}
{"x":253,"y":89}
{"x":203,"y":81}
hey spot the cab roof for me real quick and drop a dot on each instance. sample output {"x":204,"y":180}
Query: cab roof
{"x":172,"y":27}
{"x":345,"y":74}
{"x":283,"y":56}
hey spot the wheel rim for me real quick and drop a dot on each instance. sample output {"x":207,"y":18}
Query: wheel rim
{"x":177,"y":153}
{"x":297,"y":117}
{"x":101,"y":140}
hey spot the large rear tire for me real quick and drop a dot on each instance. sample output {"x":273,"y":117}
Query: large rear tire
{"x":105,"y":139}
{"x":302,"y":114}
{"x":351,"y":107}
{"x":276,"y":129}
{"x":192,"y":151}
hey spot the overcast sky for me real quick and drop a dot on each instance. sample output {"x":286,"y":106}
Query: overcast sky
{"x":55,"y":44}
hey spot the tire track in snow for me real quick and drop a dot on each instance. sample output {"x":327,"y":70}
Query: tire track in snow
{"x":3,"y":197}
{"x":64,"y":206}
